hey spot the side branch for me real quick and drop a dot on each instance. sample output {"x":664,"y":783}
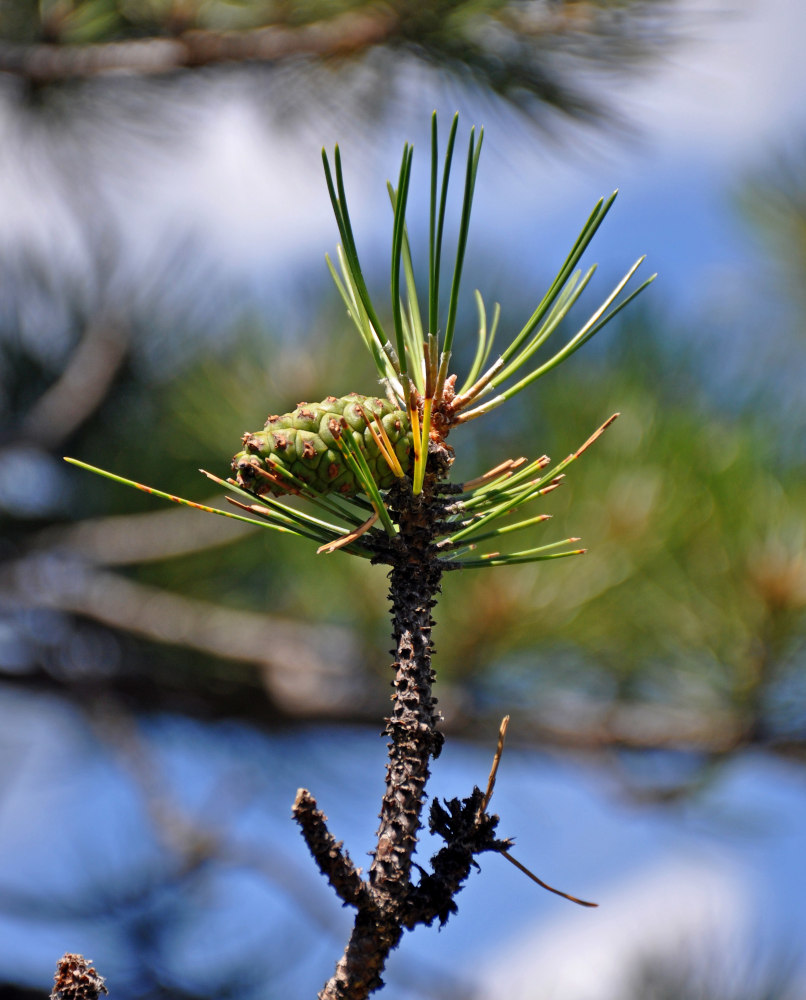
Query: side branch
{"x":334,"y":862}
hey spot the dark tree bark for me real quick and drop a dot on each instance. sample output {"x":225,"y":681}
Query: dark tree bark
{"x":387,"y":901}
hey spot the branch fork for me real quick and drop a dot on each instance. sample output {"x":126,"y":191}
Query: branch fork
{"x":387,"y":901}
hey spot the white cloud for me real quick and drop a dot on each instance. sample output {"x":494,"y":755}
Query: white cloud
{"x":738,"y":74}
{"x":679,"y":908}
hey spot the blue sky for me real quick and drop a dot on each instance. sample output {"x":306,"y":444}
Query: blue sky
{"x":720,"y":873}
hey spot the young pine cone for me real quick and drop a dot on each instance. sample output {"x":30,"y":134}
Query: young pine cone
{"x":303,"y":444}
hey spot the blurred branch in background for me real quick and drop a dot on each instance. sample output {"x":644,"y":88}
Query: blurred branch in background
{"x":307,"y":670}
{"x":774,"y":201}
{"x":80,"y":388}
{"x":48,"y":63}
{"x":529,"y":53}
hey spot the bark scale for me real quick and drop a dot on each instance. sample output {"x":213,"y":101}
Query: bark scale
{"x":412,"y":728}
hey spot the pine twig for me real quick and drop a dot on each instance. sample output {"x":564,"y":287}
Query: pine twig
{"x":499,"y":750}
{"x":334,"y":862}
{"x":77,"y":979}
{"x":392,"y":901}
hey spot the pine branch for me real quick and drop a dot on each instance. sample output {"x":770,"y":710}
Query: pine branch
{"x":334,"y":863}
{"x":393,"y":902}
{"x":524,"y":53}
{"x":337,"y":36}
{"x":356,"y":456}
{"x":414,"y":739}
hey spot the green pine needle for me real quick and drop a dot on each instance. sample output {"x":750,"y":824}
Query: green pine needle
{"x":174,"y":499}
{"x":515,"y":558}
{"x":437,"y":218}
{"x":358,"y":464}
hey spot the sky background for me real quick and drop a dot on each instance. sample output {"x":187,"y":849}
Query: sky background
{"x":714,"y":882}
{"x":714,"y":106}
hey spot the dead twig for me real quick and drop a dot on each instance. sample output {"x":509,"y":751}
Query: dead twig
{"x":77,"y":979}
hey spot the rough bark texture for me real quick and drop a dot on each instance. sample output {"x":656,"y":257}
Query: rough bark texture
{"x":388,"y":902}
{"x":412,"y":726}
{"x":77,"y":979}
{"x":334,"y":862}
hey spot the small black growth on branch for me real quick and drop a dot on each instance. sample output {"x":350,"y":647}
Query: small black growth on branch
{"x":467,"y":831}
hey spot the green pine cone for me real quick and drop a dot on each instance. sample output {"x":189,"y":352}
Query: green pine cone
{"x":303,"y":443}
